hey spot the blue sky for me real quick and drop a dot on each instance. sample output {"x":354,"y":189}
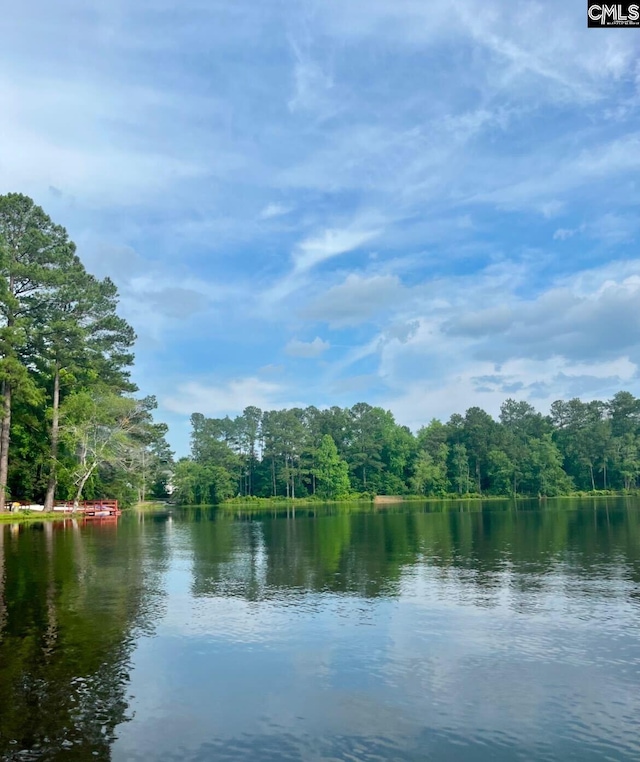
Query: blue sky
{"x":422,"y":205}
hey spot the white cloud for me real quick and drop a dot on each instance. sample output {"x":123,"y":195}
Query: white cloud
{"x":102,"y":175}
{"x":355,"y":300}
{"x":478,"y":384}
{"x":532,"y":183}
{"x":312,"y":251}
{"x":229,"y":398}
{"x":441,"y":354}
{"x":328,"y":244}
{"x":307,"y":349}
{"x":86,"y":150}
{"x":274,"y":210}
{"x":516,"y":45}
{"x":612,"y":228}
{"x":312,"y":85}
{"x":156,"y":297}
{"x":563,"y":234}
{"x":558,"y":321}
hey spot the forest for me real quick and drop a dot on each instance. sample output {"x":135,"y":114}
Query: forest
{"x":71,"y":423}
{"x":338,"y":453}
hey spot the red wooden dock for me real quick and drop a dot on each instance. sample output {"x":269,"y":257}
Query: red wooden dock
{"x":90,"y":509}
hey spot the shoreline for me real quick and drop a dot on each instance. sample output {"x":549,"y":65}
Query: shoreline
{"x":260,"y":503}
{"x":14,"y":516}
{"x":268,"y":503}
{"x":10,"y":516}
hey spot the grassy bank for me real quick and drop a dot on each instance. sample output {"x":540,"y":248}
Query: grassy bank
{"x":376,"y":501}
{"x":268,"y":503}
{"x":151,"y":505}
{"x":271,"y":502}
{"x":32,"y":516}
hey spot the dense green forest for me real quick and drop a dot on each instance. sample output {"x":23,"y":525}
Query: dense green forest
{"x":71,"y":426}
{"x":336,"y":453}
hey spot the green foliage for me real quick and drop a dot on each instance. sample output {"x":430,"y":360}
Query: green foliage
{"x":501,"y":472}
{"x":331,"y":471}
{"x":430,"y":473}
{"x":289,"y":454}
{"x":198,"y":484}
{"x":545,"y":474}
{"x":68,"y":425}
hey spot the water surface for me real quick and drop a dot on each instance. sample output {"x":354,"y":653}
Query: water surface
{"x":475,"y":632}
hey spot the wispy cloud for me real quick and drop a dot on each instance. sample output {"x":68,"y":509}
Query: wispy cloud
{"x":226,"y":398}
{"x":446,"y":187}
{"x":312,"y":252}
{"x":312,"y":84}
{"x":307,"y":349}
{"x":329,"y":244}
{"x":355,"y":301}
{"x":274,"y":210}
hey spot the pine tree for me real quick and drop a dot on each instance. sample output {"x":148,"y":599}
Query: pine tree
{"x":35,"y":254}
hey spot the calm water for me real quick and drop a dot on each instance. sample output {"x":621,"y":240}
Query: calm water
{"x":470,"y":633}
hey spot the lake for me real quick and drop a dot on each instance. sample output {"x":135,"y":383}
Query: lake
{"x":492,"y":631}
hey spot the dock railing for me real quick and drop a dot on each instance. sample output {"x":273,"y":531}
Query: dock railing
{"x":90,"y":507}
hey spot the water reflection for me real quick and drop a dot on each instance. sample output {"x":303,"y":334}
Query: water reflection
{"x":74,"y":600}
{"x":367,"y":553}
{"x":419,"y":632}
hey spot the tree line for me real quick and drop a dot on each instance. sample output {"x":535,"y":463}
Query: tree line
{"x":71,"y":425}
{"x":336,"y":453}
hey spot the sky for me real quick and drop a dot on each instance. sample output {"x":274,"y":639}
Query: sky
{"x":421,"y":205}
